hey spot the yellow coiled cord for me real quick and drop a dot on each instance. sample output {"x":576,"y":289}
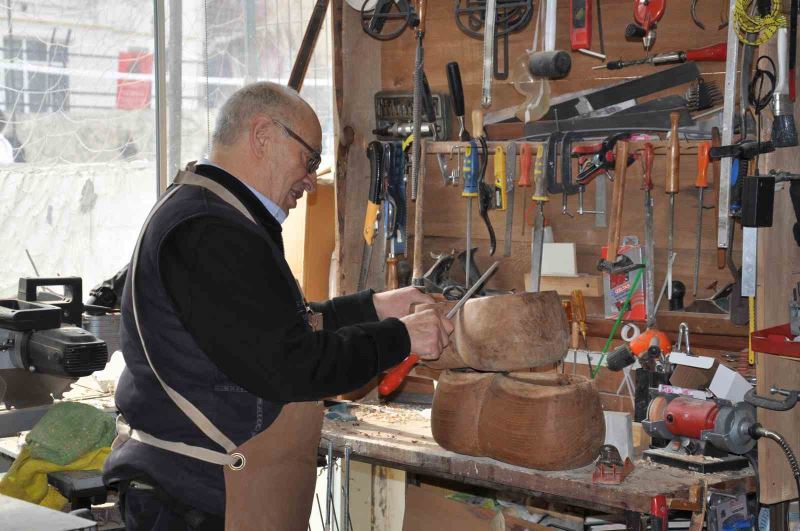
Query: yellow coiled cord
{"x":765,"y":26}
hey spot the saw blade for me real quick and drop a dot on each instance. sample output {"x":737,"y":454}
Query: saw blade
{"x":27,"y":389}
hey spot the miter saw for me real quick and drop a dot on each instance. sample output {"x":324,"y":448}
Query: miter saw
{"x":43,"y":347}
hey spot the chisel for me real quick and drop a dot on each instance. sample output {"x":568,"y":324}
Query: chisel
{"x":672,"y":187}
{"x":648,"y":155}
{"x":537,"y":243}
{"x":395,"y":376}
{"x":701,"y":183}
{"x":375,"y":155}
{"x":511,"y":170}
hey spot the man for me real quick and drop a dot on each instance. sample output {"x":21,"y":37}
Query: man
{"x":215,"y":334}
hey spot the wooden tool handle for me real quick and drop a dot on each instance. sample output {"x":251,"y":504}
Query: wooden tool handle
{"x":477,"y":123}
{"x":419,"y":222}
{"x":525,"y":162}
{"x":672,"y":185}
{"x":721,"y":258}
{"x":615,"y":228}
{"x":703,"y":149}
{"x":392,"y":282}
{"x":422,"y":11}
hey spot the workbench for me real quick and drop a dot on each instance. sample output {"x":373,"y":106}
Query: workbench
{"x":401,"y":438}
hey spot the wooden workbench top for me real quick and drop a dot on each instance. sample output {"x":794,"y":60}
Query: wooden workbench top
{"x":401,"y":438}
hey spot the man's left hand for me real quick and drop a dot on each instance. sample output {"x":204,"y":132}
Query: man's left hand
{"x":397,"y":302}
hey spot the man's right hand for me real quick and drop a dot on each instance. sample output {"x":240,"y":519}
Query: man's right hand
{"x":429,"y":333}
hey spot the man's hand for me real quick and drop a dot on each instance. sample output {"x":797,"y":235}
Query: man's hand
{"x":397,"y":303}
{"x":429,"y":333}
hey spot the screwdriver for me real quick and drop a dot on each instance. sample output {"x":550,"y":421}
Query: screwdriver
{"x":470,"y":192}
{"x":715,"y":52}
{"x":525,"y":162}
{"x":395,"y":376}
{"x":672,"y":187}
{"x":701,"y":183}
{"x":579,"y":313}
{"x":538,"y":198}
{"x":500,"y":189}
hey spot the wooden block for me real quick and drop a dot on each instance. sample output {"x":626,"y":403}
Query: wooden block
{"x":591,"y":285}
{"x":559,"y":259}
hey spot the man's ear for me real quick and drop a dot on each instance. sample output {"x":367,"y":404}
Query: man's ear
{"x":260,"y":136}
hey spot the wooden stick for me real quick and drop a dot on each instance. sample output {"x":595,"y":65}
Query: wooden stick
{"x":615,"y":227}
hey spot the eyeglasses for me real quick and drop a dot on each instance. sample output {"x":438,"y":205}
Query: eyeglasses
{"x":314,"y":157}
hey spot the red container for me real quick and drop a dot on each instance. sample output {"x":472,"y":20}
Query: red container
{"x":776,"y":340}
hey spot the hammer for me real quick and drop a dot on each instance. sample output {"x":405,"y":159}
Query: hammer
{"x":611,"y":264}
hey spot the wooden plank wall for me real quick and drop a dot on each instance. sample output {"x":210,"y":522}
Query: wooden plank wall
{"x":445,"y":213}
{"x":371,"y":65}
{"x":778,"y":272}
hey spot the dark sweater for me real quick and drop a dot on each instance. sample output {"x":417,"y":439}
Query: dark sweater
{"x":237,"y":305}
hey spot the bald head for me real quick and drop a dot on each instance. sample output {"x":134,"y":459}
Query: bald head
{"x":264,"y":98}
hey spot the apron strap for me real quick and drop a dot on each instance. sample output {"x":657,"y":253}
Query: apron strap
{"x":188,"y":176}
{"x":234,"y":460}
{"x":190,"y":410}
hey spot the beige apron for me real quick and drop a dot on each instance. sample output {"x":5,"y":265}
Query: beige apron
{"x":270,"y":479}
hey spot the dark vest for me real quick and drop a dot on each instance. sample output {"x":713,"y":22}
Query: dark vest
{"x":181,"y":363}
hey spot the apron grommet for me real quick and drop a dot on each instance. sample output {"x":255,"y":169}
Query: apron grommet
{"x":238,"y":462}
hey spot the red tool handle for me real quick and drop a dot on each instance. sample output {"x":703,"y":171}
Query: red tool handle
{"x":396,"y":375}
{"x":703,"y":149}
{"x":525,"y":165}
{"x":715,"y":52}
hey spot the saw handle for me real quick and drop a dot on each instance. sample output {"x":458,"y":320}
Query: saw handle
{"x":672,"y":185}
{"x":715,"y":52}
{"x":396,"y":375}
{"x":615,"y":228}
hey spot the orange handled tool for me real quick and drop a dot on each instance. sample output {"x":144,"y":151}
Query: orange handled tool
{"x":701,"y":183}
{"x":525,"y":163}
{"x":396,"y":375}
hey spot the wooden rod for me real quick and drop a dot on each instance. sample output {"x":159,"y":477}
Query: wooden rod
{"x":419,"y":230}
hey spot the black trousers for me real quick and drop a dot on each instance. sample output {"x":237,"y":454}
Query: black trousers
{"x":145,"y":507}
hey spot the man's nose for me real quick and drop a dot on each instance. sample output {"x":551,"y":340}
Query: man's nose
{"x":311,"y":182}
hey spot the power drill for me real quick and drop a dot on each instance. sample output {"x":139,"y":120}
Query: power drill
{"x":648,"y":345}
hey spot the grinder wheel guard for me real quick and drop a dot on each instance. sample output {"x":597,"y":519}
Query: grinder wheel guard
{"x":546,"y":421}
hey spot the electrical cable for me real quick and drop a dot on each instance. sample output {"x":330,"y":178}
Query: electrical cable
{"x":761,"y":431}
{"x":758,"y":98}
{"x":765,"y":26}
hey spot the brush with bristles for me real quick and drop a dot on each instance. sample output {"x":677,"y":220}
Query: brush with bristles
{"x":784,"y":131}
